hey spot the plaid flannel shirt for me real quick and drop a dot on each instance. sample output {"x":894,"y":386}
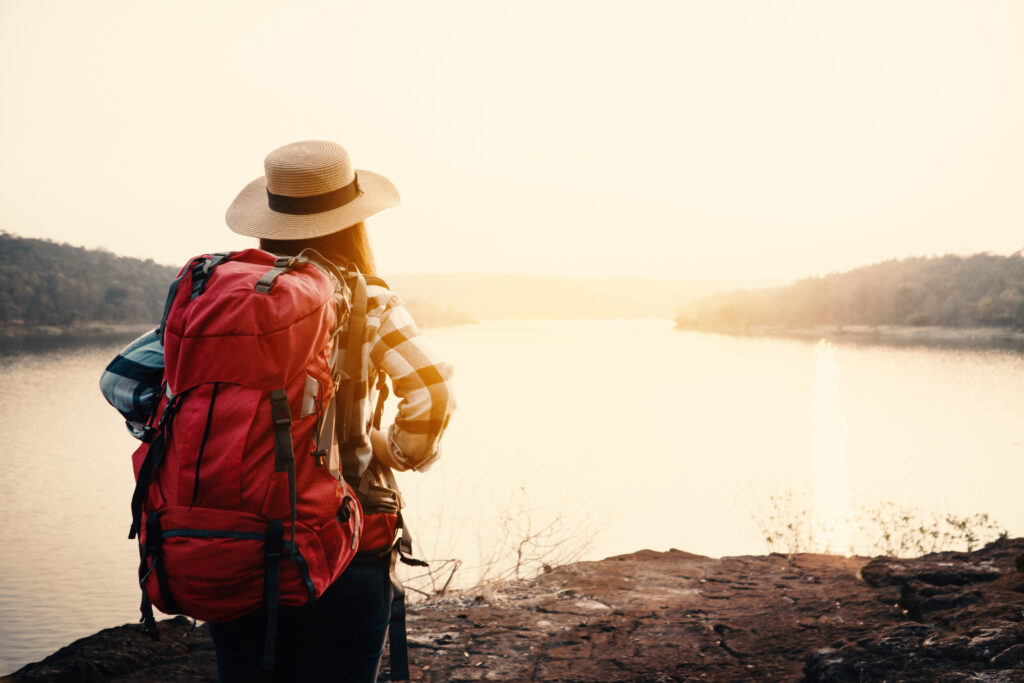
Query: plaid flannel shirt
{"x":392,"y":344}
{"x":131,"y":382}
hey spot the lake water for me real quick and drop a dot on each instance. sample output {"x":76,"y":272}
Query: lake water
{"x":592,"y":438}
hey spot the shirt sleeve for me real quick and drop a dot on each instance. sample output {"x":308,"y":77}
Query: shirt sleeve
{"x":422,"y":382}
{"x":131,"y":382}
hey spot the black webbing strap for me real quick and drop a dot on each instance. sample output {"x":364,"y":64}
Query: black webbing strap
{"x":150,"y":556}
{"x":200,"y":267}
{"x":172,"y":291}
{"x":202,"y":444}
{"x":150,"y":431}
{"x":154,"y":456}
{"x":404,"y":545}
{"x":281,"y":414}
{"x":398,"y":644}
{"x":202,"y":270}
{"x":146,"y":607}
{"x":147,"y":619}
{"x":154,"y":541}
{"x":274,"y":551}
{"x":284,"y":455}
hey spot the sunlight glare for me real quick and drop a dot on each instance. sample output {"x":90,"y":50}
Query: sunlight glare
{"x":829,"y":462}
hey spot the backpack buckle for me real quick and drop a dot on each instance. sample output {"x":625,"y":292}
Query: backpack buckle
{"x":280,"y":412}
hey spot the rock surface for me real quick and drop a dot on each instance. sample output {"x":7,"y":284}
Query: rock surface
{"x":673,"y":616}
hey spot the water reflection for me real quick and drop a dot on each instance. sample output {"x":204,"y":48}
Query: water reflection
{"x":632,"y":434}
{"x":829,"y":457}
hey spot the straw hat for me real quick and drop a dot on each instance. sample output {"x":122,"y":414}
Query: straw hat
{"x":310,"y":189}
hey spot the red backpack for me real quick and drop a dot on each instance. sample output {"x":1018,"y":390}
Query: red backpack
{"x":239,"y":502}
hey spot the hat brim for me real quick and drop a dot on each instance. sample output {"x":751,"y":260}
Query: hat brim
{"x":250,"y":215}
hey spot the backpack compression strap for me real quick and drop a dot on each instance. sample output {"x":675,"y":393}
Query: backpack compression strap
{"x":151,"y":463}
{"x":398,"y":645}
{"x":273,"y":550}
{"x":284,"y":454}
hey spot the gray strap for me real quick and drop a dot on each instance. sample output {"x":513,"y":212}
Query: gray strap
{"x":319,"y":259}
{"x":353,"y":358}
{"x":389,"y":477}
{"x":327,"y":443}
{"x":285,"y":263}
{"x":281,"y":266}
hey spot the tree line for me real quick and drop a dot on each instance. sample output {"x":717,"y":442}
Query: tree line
{"x":983,"y":290}
{"x":45,"y":283}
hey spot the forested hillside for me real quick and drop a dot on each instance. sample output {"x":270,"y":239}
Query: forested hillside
{"x":983,"y":290}
{"x":44,"y":283}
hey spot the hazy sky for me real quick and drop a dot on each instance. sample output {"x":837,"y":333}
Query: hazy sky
{"x":696,"y":140}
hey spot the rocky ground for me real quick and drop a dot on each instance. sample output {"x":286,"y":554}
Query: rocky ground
{"x":673,"y":616}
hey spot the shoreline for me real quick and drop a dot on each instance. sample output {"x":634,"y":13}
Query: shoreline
{"x":82,"y":330}
{"x":935,"y":335}
{"x":45,"y":337}
{"x":670,"y":617}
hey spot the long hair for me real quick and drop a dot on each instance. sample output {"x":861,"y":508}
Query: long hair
{"x":351,"y":244}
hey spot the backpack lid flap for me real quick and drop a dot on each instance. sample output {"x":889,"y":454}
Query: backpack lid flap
{"x":233,"y":333}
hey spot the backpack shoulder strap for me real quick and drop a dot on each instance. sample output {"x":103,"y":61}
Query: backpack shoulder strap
{"x":349,"y":435}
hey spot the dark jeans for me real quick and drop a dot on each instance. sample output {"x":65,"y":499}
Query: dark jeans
{"x":340,"y":637}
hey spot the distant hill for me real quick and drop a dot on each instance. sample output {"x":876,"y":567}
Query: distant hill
{"x":47,"y":284}
{"x":522,"y":296}
{"x":983,"y":290}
